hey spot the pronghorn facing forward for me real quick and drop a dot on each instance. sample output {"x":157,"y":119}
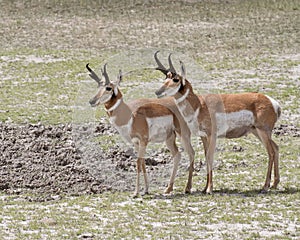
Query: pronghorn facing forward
{"x":142,"y":121}
{"x":223,"y":115}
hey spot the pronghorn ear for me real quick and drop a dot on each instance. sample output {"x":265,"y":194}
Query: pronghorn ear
{"x":183,"y":73}
{"x":119,"y":79}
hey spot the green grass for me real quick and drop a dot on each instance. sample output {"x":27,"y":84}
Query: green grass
{"x":40,"y":85}
{"x":117,"y":215}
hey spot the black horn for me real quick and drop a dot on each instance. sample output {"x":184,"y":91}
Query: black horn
{"x":171,"y":69}
{"x":105,"y":75}
{"x":160,"y":67}
{"x":93,"y":75}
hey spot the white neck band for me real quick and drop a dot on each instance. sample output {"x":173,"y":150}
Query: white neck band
{"x":113,"y":107}
{"x":183,"y":97}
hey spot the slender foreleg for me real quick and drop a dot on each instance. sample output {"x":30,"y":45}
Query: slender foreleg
{"x":171,"y":144}
{"x":211,"y":140}
{"x":186,"y":141}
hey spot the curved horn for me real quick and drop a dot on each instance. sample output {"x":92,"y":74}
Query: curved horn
{"x":171,"y":69}
{"x":105,"y":75}
{"x":183,"y":72}
{"x":120,"y":77}
{"x":93,"y":75}
{"x":160,"y":67}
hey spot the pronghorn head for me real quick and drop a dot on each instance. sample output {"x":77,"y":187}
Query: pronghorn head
{"x":174,"y":81}
{"x":107,"y":89}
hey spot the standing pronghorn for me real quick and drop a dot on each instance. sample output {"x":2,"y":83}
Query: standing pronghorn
{"x":142,"y":121}
{"x":223,"y":115}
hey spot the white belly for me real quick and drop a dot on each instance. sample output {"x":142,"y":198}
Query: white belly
{"x":227,"y":122}
{"x":160,"y":128}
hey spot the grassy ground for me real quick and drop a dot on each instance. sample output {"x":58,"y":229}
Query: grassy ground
{"x":245,"y":215}
{"x":237,"y":45}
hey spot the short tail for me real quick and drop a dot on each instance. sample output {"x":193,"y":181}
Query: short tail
{"x":276,"y":106}
{"x":278,"y":112}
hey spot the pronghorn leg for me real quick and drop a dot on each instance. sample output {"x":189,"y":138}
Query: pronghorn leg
{"x":212,"y":140}
{"x":140,"y":166}
{"x":137,"y":185}
{"x":276,"y":165}
{"x":171,"y":144}
{"x":205,"y":147}
{"x":272,"y":150}
{"x":145,"y":176}
{"x":186,"y":142}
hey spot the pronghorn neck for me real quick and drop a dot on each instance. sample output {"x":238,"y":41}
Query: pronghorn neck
{"x":118,"y":110}
{"x":113,"y":103}
{"x":186,"y":96}
{"x":189,"y":106}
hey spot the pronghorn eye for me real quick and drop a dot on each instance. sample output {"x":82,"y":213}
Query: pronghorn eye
{"x":108,"y":88}
{"x":175,"y":80}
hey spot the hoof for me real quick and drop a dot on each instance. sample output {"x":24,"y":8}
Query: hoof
{"x":206,"y":191}
{"x":264,"y":191}
{"x":168,"y":190}
{"x":274,"y":186}
{"x":187,"y":191}
{"x":145,"y":193}
{"x":135,"y":195}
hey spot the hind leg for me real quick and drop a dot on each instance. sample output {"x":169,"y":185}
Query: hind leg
{"x":143,"y":165}
{"x":140,"y":166}
{"x":272,"y":149}
{"x":205,"y":147}
{"x":276,"y":164}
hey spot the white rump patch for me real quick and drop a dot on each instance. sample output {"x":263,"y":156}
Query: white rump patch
{"x":159,"y":128}
{"x":275,"y":104}
{"x":227,"y":122}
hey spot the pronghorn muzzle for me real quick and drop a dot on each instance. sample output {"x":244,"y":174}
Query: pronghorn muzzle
{"x":93,"y":101}
{"x":161,"y":92}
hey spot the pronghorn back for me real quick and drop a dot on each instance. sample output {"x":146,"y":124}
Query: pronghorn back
{"x":243,"y":109}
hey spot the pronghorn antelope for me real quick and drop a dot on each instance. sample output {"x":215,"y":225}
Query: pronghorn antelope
{"x":142,"y":121}
{"x":223,"y":115}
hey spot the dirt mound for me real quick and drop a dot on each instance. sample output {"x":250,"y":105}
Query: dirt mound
{"x":45,"y":162}
{"x":42,"y":159}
